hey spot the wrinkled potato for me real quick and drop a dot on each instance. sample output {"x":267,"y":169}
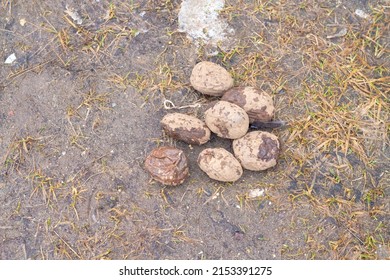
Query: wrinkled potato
{"x":186,"y":128}
{"x":257,"y":150}
{"x":167,"y":165}
{"x":227,"y":120}
{"x":220,"y":165}
{"x":210,"y":78}
{"x":257,"y":104}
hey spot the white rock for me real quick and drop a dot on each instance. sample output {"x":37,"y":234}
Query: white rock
{"x":256,"y":193}
{"x":361,"y":14}
{"x":10,"y":59}
{"x":22,"y":21}
{"x":339,"y":34}
{"x":74,"y":15}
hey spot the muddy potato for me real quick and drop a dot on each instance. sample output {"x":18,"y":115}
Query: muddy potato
{"x":220,"y":165}
{"x":210,"y":78}
{"x":186,"y":128}
{"x":227,"y":120}
{"x":257,"y":104}
{"x":167,"y":165}
{"x":257,"y":150}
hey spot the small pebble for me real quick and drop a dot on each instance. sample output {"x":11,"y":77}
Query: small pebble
{"x":256,"y":193}
{"x":10,"y":59}
{"x":361,"y":13}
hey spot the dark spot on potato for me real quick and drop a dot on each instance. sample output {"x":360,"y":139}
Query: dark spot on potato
{"x":236,"y":96}
{"x":206,"y":156}
{"x":269,"y":149}
{"x":209,"y":106}
{"x":186,"y":129}
{"x":259,"y":114}
{"x":190,"y":136}
{"x":222,"y":129}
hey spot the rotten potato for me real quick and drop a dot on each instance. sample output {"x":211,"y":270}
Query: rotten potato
{"x":167,"y":165}
{"x":257,"y":150}
{"x":227,"y":120}
{"x":257,"y":104}
{"x":220,"y":165}
{"x":186,"y":128}
{"x":210,"y":78}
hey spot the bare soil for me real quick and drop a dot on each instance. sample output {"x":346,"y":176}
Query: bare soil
{"x":80,"y":110}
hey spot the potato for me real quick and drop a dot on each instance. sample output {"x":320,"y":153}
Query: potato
{"x":210,"y":78}
{"x":227,"y":120}
{"x":257,"y":104}
{"x":186,"y":128}
{"x":257,"y":150}
{"x":220,"y":165}
{"x":167,"y":165}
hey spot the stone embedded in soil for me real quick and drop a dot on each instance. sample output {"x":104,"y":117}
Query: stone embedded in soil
{"x":167,"y":165}
{"x":254,"y":193}
{"x":257,"y":150}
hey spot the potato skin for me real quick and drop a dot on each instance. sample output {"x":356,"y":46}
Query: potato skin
{"x":210,"y":78}
{"x":257,"y":150}
{"x":227,"y":120}
{"x":167,"y":165}
{"x":220,"y":165}
{"x":257,"y":104}
{"x":186,"y":128}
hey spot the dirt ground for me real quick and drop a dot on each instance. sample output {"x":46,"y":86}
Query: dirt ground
{"x":80,"y":110}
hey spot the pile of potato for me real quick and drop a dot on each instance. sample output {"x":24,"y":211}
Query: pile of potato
{"x":230,"y":118}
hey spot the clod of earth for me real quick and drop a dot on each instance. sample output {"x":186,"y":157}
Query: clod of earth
{"x":186,"y":128}
{"x":257,"y":150}
{"x":167,"y":165}
{"x":210,"y":78}
{"x":257,"y":104}
{"x":227,"y":120}
{"x":220,"y":165}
